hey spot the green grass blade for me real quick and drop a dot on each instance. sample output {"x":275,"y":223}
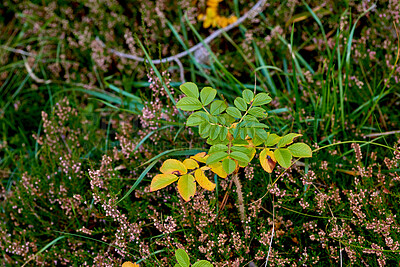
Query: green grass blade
{"x":44,"y":248}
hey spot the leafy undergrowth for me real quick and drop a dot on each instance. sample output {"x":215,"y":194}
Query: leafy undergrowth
{"x":84,"y":131}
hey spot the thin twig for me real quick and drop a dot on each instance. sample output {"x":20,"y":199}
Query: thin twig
{"x":225,"y":199}
{"x":273,"y":231}
{"x":181,"y":70}
{"x":18,"y":51}
{"x":384,"y":133}
{"x":33,"y":76}
{"x":257,"y":8}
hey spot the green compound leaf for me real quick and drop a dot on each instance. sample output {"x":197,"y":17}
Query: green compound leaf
{"x":202,"y":263}
{"x":257,"y":112}
{"x":287,"y":139}
{"x":189,"y":104}
{"x":240,"y":104}
{"x":182,"y":258}
{"x":215,"y":157}
{"x":284,"y":157}
{"x":261,"y":99}
{"x":229,"y":165}
{"x":234,"y":112}
{"x":217,"y":107}
{"x":300,"y":150}
{"x":248,"y":96}
{"x":190,"y":89}
{"x":207,"y":95}
{"x":272,"y":140}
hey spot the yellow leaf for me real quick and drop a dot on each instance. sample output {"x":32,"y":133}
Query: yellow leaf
{"x":267,"y":160}
{"x":173,"y":166}
{"x":253,"y":153}
{"x":203,"y":180}
{"x":190,"y":164}
{"x":200,"y":157}
{"x":205,"y":168}
{"x":217,"y":169}
{"x":162,"y":180}
{"x":130,"y":264}
{"x":186,"y":186}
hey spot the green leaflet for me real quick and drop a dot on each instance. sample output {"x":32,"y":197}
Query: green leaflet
{"x":257,"y":112}
{"x":300,"y":150}
{"x":197,"y":118}
{"x":287,"y":139}
{"x":217,"y":107}
{"x":190,"y":89}
{"x":217,"y":148}
{"x":189,"y":104}
{"x":215,"y":157}
{"x":207,"y":95}
{"x":234,"y":112}
{"x":229,"y":165}
{"x":202,"y":263}
{"x":240,"y":156}
{"x":214,"y":131}
{"x":240,"y":104}
{"x":182,"y":258}
{"x":284,"y":157}
{"x":272,"y":140}
{"x":248,"y":96}
{"x":261,"y":99}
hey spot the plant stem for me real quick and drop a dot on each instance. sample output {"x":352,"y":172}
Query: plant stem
{"x":239,"y":192}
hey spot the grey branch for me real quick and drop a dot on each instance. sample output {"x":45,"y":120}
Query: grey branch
{"x":257,"y":8}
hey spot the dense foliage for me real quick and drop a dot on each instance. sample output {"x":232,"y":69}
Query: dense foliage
{"x":85,"y":130}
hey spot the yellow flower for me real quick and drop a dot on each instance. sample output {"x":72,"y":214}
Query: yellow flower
{"x":213,"y":3}
{"x":130,"y":264}
{"x":211,"y":18}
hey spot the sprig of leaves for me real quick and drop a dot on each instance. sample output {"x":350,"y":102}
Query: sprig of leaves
{"x":234,"y":134}
{"x":183,"y":260}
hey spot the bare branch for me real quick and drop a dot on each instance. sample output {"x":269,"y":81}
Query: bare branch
{"x":257,"y":8}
